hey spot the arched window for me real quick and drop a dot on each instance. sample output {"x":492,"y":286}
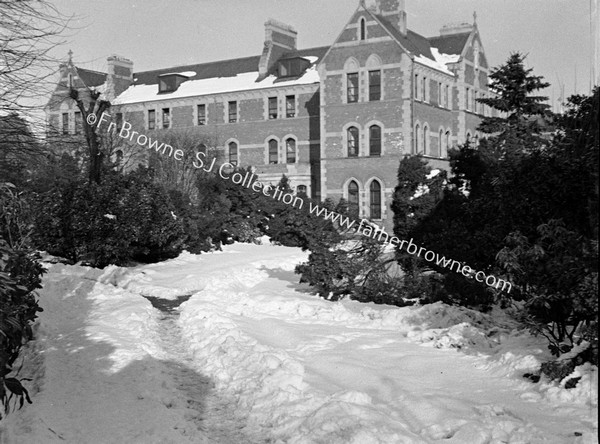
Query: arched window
{"x":375,"y":200}
{"x":375,"y":140}
{"x":353,"y":198}
{"x":416,"y":144}
{"x":233,"y":153}
{"x":202,"y":148}
{"x":426,"y":140}
{"x":363,"y":29}
{"x":290,"y":150}
{"x":468,"y":137}
{"x":446,"y":144}
{"x":301,"y":189}
{"x":352,"y":134}
{"x":441,"y":143}
{"x":273,"y":151}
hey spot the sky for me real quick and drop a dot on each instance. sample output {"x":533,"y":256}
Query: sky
{"x":556,"y":35}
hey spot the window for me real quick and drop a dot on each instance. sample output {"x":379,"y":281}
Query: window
{"x":468,"y":137}
{"x":301,"y":189}
{"x":441,"y":143}
{"x":424,"y":92}
{"x":273,"y":151}
{"x":78,"y":122}
{"x":426,"y":140}
{"x":474,"y":107}
{"x":352,"y":134}
{"x":290,"y":150}
{"x":375,"y":201}
{"x":232,"y":111}
{"x":201,"y":114}
{"x":417,"y":87}
{"x":440,"y":97}
{"x":290,"y":106}
{"x":233,"y":153}
{"x":374,"y":85}
{"x":353,"y":198}
{"x":65,"y":123}
{"x":375,"y":140}
{"x":468,"y":98}
{"x":352,"y":79}
{"x":416,"y":145}
{"x":363,"y":29}
{"x":272,"y":107}
{"x":151,"y":119}
{"x":202,"y":148}
{"x":446,"y":145}
{"x":166,"y":118}
{"x":448,"y":98}
{"x":119,"y":121}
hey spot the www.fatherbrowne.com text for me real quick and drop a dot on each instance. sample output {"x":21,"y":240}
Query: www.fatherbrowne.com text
{"x":249,"y":180}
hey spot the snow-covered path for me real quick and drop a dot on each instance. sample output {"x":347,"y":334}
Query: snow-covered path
{"x":253,"y":357}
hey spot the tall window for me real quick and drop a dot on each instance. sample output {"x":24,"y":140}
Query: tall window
{"x":474,"y":107}
{"x":290,"y":106}
{"x":375,"y":140}
{"x":446,"y":144}
{"x":353,"y":198}
{"x":232,"y":111}
{"x":363,"y":29}
{"x":119,"y":121}
{"x":166,"y":118}
{"x":417,"y":137}
{"x":374,"y":85}
{"x":352,"y":134}
{"x":290,"y":150}
{"x":151,"y":119}
{"x":424,"y":95}
{"x":425,"y":140}
{"x":417,"y":84}
{"x":201,"y":114}
{"x":440,"y":98}
{"x":65,"y":123}
{"x":272,"y":107}
{"x":78,"y":122}
{"x":441,"y":142}
{"x":352,"y":79}
{"x":273,"y":151}
{"x":448,"y":98}
{"x":233,"y":153}
{"x":375,"y":200}
{"x":468,"y":98}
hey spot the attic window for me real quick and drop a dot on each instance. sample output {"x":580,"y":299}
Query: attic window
{"x":292,"y":67}
{"x":170,"y":82}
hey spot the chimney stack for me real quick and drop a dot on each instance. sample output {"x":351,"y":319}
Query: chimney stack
{"x":279,"y":39}
{"x":119,"y":75}
{"x":395,"y":12}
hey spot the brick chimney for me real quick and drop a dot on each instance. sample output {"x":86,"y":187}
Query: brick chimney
{"x":279,"y":39}
{"x":119,"y":75}
{"x":395,"y":12}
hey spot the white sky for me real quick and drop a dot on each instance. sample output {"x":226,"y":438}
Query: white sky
{"x":556,"y":34}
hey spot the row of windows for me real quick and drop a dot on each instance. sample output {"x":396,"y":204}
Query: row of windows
{"x":422,"y":92}
{"x":353,"y":141}
{"x":471,"y":96}
{"x":353,"y":90}
{"x":289,"y":155}
{"x":67,"y":127}
{"x":232,"y":112}
{"x":374,"y":201}
{"x":422,"y":142}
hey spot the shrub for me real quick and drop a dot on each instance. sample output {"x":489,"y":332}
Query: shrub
{"x":20,"y":276}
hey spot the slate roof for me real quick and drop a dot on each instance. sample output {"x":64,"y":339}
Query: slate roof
{"x":91,"y":78}
{"x":222,"y":68}
{"x":413,"y":42}
{"x":450,"y":44}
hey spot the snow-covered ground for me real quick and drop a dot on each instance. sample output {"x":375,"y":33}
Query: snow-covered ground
{"x":254,"y":357}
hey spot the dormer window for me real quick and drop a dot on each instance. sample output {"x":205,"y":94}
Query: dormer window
{"x":292,"y":67}
{"x":170,"y":82}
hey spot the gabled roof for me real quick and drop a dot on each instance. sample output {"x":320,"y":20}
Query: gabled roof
{"x":91,"y":78}
{"x":219,"y":69}
{"x":413,"y":42}
{"x":450,"y":44}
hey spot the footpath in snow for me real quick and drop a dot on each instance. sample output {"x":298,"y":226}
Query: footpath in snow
{"x":227,"y":347}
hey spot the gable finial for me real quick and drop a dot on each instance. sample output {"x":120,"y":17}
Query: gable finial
{"x":70,"y":56}
{"x":474,"y":18}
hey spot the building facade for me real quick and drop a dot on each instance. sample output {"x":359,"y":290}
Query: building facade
{"x":336,"y":120}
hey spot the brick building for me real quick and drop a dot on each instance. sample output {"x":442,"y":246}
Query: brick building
{"x":335,"y":119}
